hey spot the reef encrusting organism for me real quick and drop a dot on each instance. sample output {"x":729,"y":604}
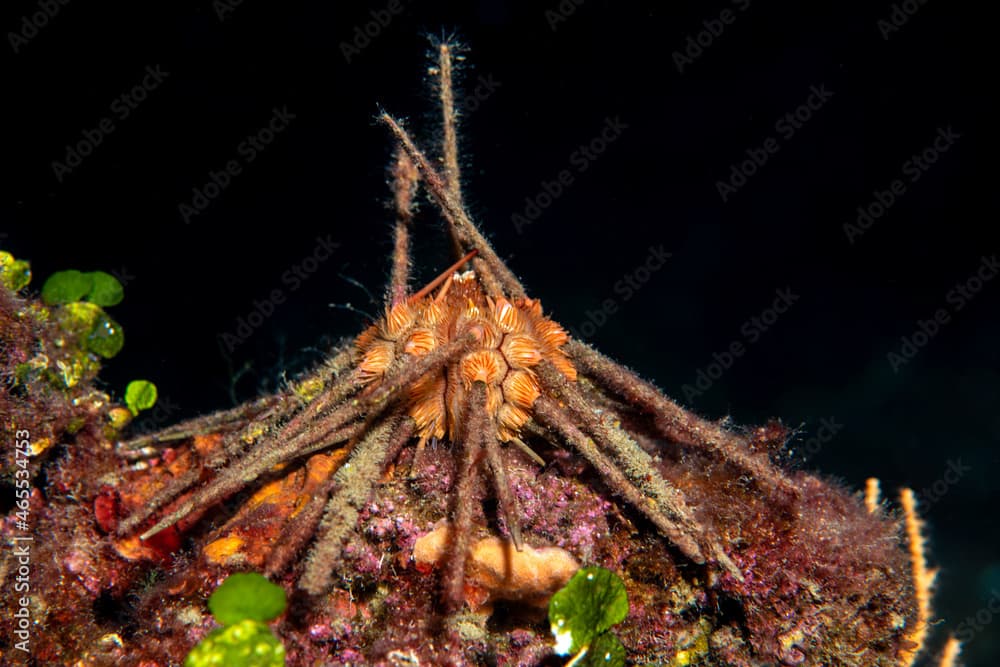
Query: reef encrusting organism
{"x":465,"y":405}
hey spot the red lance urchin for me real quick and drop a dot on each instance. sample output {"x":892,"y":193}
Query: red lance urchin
{"x":475,"y":363}
{"x":472,"y":361}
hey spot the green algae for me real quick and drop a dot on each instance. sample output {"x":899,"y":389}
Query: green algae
{"x":582,"y":613}
{"x":95,"y":329}
{"x":96,"y":287}
{"x":244,"y":644}
{"x":15,"y":274}
{"x":140,"y":395}
{"x":243,"y":603}
{"x":246,"y":595}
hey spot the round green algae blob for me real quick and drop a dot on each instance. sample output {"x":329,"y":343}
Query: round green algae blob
{"x":66,"y":287}
{"x":244,"y":644}
{"x":140,"y":395}
{"x":105,"y":289}
{"x":106,"y":338}
{"x":246,"y":595}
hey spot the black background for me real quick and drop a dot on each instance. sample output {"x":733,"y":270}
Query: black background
{"x":826,"y":358}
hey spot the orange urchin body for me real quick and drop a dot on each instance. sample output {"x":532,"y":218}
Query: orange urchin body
{"x":513,"y":338}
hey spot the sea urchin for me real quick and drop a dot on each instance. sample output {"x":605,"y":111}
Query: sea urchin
{"x":471,"y":361}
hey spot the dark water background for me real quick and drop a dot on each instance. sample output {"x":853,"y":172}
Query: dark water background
{"x":548,"y":83}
